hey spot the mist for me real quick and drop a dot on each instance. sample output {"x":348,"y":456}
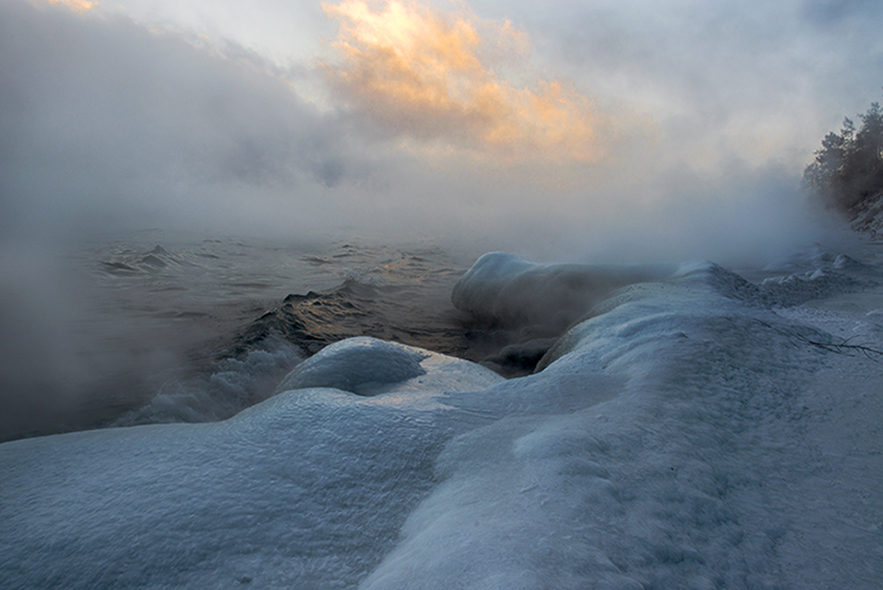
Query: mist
{"x":107,"y":123}
{"x":576,"y":134}
{"x":113,"y":124}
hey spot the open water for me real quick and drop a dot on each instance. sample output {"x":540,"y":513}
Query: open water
{"x":156,"y":326}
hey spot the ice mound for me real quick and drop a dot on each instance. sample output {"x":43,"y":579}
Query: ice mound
{"x":867,"y":216}
{"x":603,"y":331}
{"x":798,"y":288}
{"x":368,"y":366}
{"x":530,"y":305}
{"x":356,"y":365}
{"x":603,"y":336}
{"x":817,"y":274}
{"x":723,"y":281}
{"x":817,"y":258}
{"x":682,"y":476}
{"x":512,"y":291}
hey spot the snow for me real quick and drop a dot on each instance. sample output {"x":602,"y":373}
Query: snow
{"x":867,"y":216}
{"x":697,"y":431}
{"x":368,"y":366}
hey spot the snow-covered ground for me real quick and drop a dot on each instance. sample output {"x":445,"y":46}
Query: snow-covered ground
{"x":867,"y":216}
{"x":695,"y":431}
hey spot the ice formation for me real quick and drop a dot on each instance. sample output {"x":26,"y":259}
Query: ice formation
{"x":368,"y":366}
{"x":512,"y":290}
{"x":697,"y":431}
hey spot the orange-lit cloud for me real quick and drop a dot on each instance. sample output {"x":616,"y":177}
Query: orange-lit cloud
{"x":75,"y":5}
{"x":429,"y":77}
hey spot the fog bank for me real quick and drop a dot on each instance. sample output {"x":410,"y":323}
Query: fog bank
{"x":109,"y":123}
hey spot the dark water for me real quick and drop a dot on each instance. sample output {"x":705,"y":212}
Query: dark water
{"x":158,"y":327}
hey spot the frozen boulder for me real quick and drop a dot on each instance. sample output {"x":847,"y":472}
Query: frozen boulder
{"x":368,"y":366}
{"x":512,"y":291}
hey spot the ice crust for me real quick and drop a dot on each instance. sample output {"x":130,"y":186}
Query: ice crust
{"x":691,"y":432}
{"x":510,"y":290}
{"x":368,"y":366}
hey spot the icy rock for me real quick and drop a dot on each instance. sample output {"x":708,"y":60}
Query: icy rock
{"x":522,"y":356}
{"x":867,"y":216}
{"x":725,"y":282}
{"x":798,"y":288}
{"x":368,"y":366}
{"x":512,"y":291}
{"x":817,"y":274}
{"x":696,"y":281}
{"x":818,"y":258}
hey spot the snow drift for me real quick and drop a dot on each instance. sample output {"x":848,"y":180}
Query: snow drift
{"x":697,"y":431}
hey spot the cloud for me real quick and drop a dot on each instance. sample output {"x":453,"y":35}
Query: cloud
{"x":107,"y":122}
{"x":756,"y":80}
{"x":827,"y":13}
{"x":430,"y":77}
{"x":75,"y":5}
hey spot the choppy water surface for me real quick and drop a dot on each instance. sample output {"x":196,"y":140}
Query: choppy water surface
{"x":165,"y":327}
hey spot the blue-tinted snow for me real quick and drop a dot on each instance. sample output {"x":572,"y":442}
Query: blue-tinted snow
{"x":368,"y":366}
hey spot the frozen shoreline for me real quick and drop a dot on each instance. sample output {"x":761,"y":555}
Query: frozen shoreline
{"x":699,"y":431}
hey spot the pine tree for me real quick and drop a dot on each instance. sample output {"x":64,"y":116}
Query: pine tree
{"x":849,"y":167}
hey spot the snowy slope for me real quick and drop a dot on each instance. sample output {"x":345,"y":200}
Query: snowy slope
{"x":866,"y":216}
{"x":699,"y":431}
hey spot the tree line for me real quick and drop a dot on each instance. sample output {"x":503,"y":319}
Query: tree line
{"x":848,"y":169}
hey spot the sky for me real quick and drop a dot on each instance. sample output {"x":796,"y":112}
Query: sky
{"x":606,"y":130}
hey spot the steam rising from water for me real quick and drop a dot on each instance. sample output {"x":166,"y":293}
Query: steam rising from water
{"x":422,"y":132}
{"x":427,"y":122}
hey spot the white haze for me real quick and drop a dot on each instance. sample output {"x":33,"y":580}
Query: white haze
{"x":111,"y":123}
{"x":211,"y":119}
